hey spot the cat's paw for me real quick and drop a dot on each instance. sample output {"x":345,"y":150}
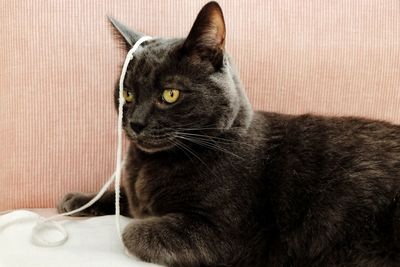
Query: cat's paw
{"x":131,"y":238}
{"x":142,"y":240}
{"x":73,"y":201}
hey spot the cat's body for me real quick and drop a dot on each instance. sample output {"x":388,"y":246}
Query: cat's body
{"x":244,"y":188}
{"x":295,"y":192}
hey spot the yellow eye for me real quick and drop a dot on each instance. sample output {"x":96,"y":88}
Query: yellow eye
{"x":170,"y":95}
{"x":128,"y":96}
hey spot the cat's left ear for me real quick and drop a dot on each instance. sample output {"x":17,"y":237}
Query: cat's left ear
{"x":206,"y":39}
{"x":129,"y":37}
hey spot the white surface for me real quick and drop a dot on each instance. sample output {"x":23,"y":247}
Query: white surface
{"x":91,"y":242}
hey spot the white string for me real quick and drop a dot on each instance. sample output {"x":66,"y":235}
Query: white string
{"x":118,"y":168}
{"x":50,"y":222}
{"x":46,"y":222}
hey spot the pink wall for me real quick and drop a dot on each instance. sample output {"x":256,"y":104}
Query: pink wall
{"x":326,"y":56}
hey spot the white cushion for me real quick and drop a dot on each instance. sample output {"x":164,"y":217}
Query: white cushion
{"x":91,"y":242}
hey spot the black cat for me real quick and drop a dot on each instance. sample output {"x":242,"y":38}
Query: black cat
{"x":216,"y":184}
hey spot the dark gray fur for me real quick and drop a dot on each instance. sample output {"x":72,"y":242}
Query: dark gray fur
{"x":216,"y":184}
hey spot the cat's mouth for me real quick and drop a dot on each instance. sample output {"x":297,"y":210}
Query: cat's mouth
{"x":151,"y":142}
{"x":152,"y":145}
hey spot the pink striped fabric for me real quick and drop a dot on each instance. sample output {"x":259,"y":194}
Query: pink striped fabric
{"x":59,"y":63}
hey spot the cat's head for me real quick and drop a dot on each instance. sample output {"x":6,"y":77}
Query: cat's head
{"x":177,"y":88}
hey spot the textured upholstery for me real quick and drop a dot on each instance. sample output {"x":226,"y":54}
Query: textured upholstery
{"x":59,"y":63}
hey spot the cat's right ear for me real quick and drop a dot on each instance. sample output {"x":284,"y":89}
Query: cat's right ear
{"x":123,"y":33}
{"x":206,"y":39}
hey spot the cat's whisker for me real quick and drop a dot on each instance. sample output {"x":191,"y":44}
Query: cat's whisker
{"x":204,"y":143}
{"x":178,"y":145}
{"x":215,"y":138}
{"x":208,"y":128}
{"x":160,"y":136}
{"x":184,"y":130}
{"x":185,"y":147}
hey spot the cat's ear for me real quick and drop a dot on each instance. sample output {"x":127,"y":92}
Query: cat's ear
{"x":124,"y":33}
{"x":206,"y":39}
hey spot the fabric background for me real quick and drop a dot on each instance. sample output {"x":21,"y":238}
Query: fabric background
{"x":59,"y":64}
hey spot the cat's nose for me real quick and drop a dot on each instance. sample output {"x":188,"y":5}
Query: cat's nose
{"x":137,"y":127}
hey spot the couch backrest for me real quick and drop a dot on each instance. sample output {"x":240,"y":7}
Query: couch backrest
{"x":59,"y":64}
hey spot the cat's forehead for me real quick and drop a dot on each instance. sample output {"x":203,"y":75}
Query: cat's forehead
{"x":156,"y":45}
{"x":156,"y":50}
{"x":155,"y":55}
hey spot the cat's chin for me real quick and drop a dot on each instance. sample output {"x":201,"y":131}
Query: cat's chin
{"x":153,"y":148}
